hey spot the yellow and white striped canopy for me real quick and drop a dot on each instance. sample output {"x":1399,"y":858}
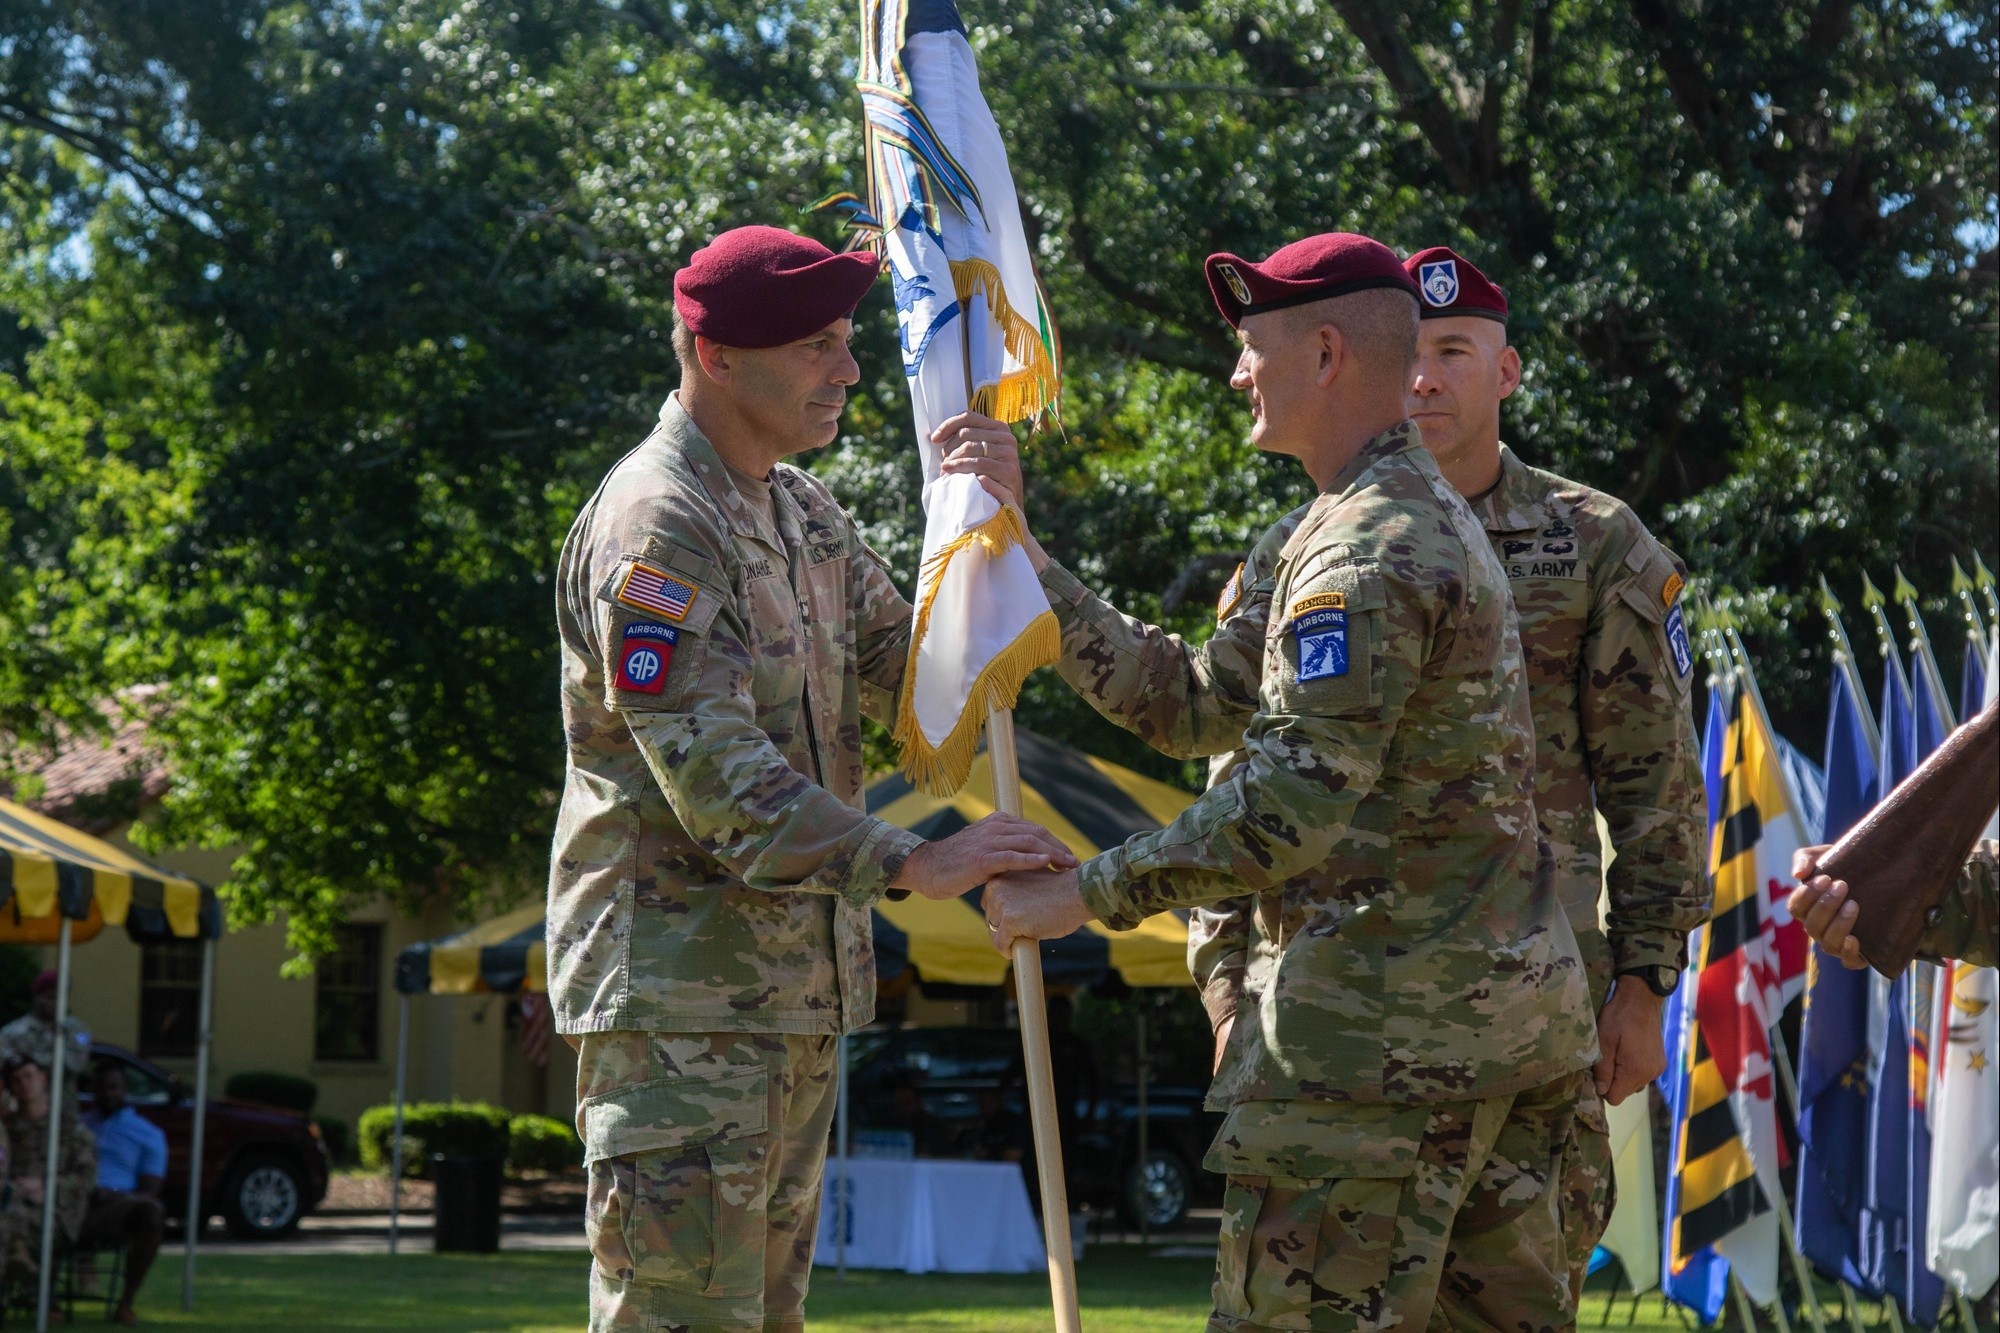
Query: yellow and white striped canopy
{"x":49,"y":871}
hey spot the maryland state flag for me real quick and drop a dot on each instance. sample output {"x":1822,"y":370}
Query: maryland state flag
{"x":1727,"y":1148}
{"x":976,"y":334}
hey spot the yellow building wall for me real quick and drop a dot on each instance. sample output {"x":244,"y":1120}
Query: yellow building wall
{"x":263,"y":1020}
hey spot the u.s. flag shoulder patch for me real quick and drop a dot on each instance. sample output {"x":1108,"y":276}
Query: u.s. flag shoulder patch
{"x":645,"y":655}
{"x":1232,"y":593}
{"x":645,"y":588}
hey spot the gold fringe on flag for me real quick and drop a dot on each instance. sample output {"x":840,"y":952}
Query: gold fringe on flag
{"x":1031,"y":390}
{"x":941,"y":770}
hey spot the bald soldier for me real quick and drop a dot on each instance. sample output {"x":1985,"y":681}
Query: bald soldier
{"x":1399,"y":1091}
{"x":723,"y":630}
{"x":1608,"y":673}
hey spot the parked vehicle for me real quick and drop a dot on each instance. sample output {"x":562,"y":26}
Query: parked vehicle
{"x":960,"y":1074}
{"x":263,"y":1169}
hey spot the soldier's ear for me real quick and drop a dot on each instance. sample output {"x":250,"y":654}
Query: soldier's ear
{"x":1510,"y":370}
{"x":1333,"y":349}
{"x":717,"y":362}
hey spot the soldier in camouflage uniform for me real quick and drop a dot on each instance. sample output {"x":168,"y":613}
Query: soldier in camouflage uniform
{"x":1400,"y":1086}
{"x":723,"y":629}
{"x":1609,"y":668}
{"x":32,"y":1036}
{"x":26,"y":1124}
{"x":1965,"y":927}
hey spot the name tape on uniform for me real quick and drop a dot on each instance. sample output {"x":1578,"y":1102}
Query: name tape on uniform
{"x":655,"y":590}
{"x":1322,"y":637}
{"x":645,"y":656}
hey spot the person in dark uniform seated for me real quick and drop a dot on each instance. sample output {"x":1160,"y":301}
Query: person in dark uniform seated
{"x":125,"y":1208}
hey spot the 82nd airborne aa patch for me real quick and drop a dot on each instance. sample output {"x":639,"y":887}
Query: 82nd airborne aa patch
{"x":646,"y":654}
{"x":1319,"y":625}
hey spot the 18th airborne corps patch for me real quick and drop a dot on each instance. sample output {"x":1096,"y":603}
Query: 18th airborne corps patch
{"x":1319,"y":626}
{"x":1677,"y":633}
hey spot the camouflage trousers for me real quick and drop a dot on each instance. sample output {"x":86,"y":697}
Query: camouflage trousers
{"x":1588,"y":1190}
{"x":1443,"y":1216}
{"x":705,"y":1153}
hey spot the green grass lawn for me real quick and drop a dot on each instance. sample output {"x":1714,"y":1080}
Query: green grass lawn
{"x":1124,"y":1291}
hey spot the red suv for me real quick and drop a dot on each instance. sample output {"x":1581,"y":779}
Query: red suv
{"x":264,"y":1168}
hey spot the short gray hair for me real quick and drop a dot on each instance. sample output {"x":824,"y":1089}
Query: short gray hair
{"x":683,"y":341}
{"x":1379,"y":324}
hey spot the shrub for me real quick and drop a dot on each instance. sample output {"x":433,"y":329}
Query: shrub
{"x":339,"y":1140}
{"x":542,"y":1143}
{"x":456,"y":1129}
{"x":287,"y":1092}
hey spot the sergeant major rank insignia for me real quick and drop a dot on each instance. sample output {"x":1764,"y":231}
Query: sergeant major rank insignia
{"x":1319,"y":625}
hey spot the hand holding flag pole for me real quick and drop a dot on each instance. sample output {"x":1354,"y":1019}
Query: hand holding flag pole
{"x":976,"y":336}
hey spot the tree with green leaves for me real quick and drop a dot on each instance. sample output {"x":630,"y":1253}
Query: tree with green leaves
{"x":324,"y":319}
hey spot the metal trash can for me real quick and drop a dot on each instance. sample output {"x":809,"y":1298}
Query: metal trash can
{"x":468,"y":1203}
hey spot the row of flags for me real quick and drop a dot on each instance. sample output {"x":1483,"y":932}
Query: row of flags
{"x":1897,"y":1085}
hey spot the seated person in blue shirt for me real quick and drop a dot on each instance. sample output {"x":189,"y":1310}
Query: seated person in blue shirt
{"x":125,"y":1208}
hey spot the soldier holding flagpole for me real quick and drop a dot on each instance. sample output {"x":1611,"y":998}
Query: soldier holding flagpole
{"x":1399,"y":1089}
{"x":723,"y":629}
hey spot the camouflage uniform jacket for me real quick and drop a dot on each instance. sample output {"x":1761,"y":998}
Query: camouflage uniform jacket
{"x":76,"y":1174}
{"x":713,"y":864}
{"x":1388,"y":776}
{"x":1966,"y":925}
{"x":1608,"y":675}
{"x":32,"y":1037}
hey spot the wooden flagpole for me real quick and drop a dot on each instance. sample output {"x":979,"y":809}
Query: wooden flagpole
{"x":1033,"y":1007}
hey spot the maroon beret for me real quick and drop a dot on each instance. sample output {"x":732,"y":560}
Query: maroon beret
{"x":1450,"y":285}
{"x":765,"y":287}
{"x":1331,"y":264}
{"x":44,"y":982}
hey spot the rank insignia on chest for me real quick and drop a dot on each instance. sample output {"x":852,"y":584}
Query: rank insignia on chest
{"x":1321,"y":633}
{"x":644,"y":657}
{"x":647,"y":589}
{"x":1232,"y":593}
{"x":1677,"y":640}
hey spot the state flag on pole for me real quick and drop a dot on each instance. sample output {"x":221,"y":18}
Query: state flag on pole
{"x":976,"y":333}
{"x":1698,"y":1279}
{"x":1727,"y":1156}
{"x":1963,"y":1233}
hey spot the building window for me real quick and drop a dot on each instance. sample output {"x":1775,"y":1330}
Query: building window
{"x":170,"y":998}
{"x":348,"y":1003}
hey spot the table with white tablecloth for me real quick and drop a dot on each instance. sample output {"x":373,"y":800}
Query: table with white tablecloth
{"x":930,"y":1216}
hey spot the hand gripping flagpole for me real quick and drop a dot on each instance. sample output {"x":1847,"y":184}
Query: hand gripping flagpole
{"x":1035,"y":1053}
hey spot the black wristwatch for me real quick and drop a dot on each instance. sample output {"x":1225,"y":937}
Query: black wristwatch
{"x":1659,"y":978}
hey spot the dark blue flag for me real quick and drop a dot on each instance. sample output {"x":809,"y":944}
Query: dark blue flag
{"x":1892,"y":1237}
{"x":1833,"y":1055}
{"x":1971,"y":684}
